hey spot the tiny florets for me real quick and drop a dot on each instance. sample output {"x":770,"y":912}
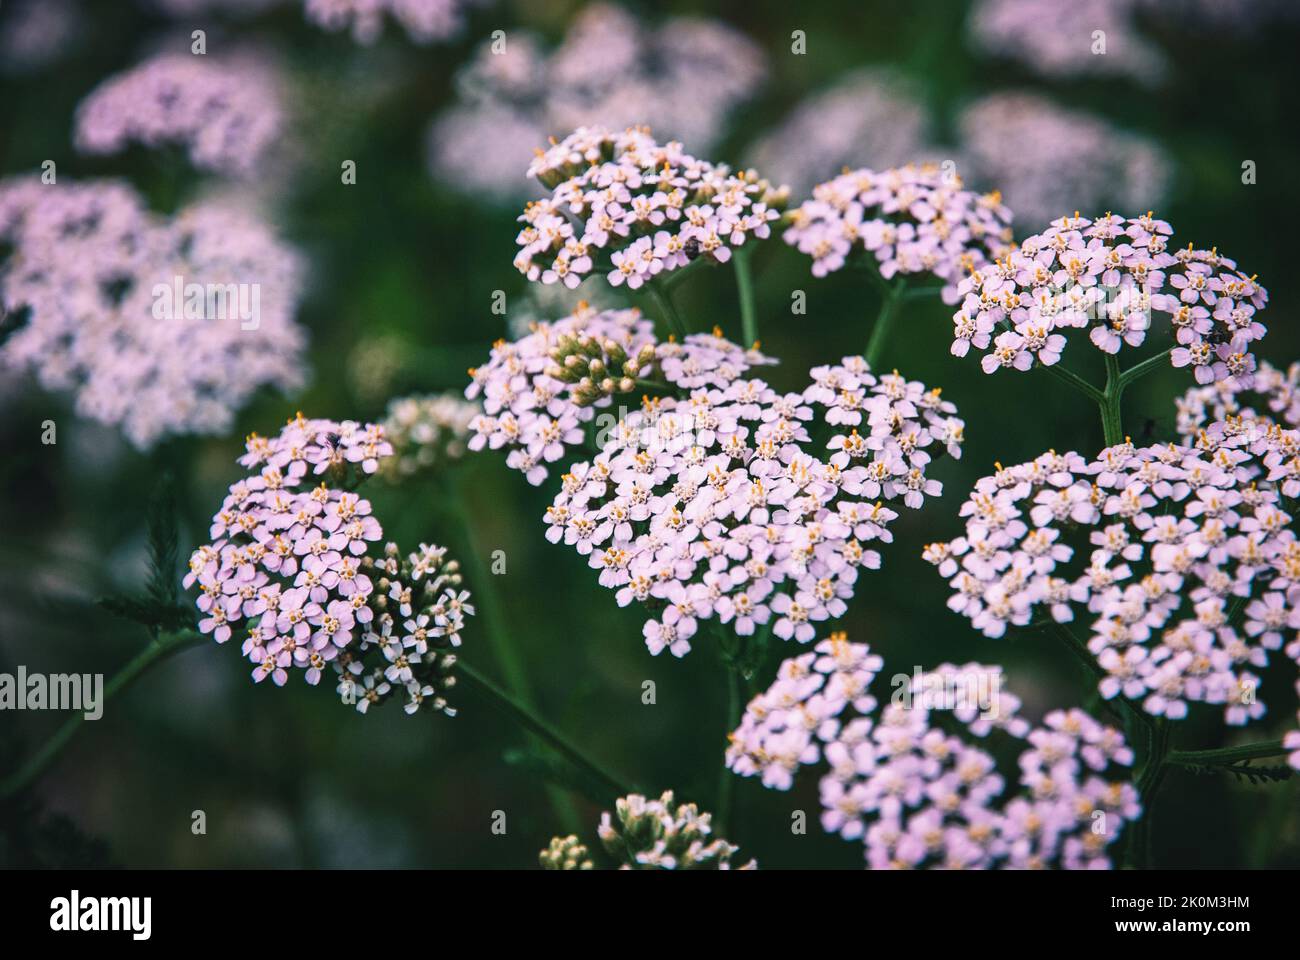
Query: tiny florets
{"x":633,"y":208}
{"x":1109,"y":277}
{"x":916,"y":795}
{"x":911,"y":220}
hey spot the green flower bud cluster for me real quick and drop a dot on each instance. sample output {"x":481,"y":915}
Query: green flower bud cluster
{"x":598,"y":367}
{"x":565,"y":853}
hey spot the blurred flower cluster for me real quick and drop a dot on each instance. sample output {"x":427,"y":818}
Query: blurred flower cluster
{"x":1084,"y":37}
{"x":427,"y":432}
{"x":682,"y":78}
{"x":89,"y":290}
{"x":1048,"y":158}
{"x":425,"y":21}
{"x":870,"y":116}
{"x":226,"y":113}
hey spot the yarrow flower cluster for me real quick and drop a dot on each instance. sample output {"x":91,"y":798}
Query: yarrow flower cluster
{"x":918,"y":795}
{"x":645,"y":834}
{"x":910,"y":220}
{"x":1269,"y":398}
{"x":535,"y":403}
{"x":292,"y":564}
{"x":425,"y":21}
{"x":426,"y":431}
{"x":652,"y":208}
{"x":269,"y":530}
{"x":1191,"y":576}
{"x":1108,"y":276}
{"x":710,"y":506}
{"x":89,"y":292}
{"x":226,"y":113}
{"x":683,"y":78}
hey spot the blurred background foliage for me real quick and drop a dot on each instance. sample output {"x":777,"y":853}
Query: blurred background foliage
{"x":402,"y":272}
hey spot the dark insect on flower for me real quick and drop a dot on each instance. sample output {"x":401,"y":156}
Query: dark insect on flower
{"x":692,"y":248}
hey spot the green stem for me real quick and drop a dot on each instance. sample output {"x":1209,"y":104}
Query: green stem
{"x":745,"y":287}
{"x":1074,"y":380}
{"x":1139,"y":370}
{"x":1080,"y":649}
{"x":486,"y":599}
{"x":671,"y":279}
{"x":658,"y":385}
{"x":488,"y":604}
{"x":663,"y":300}
{"x":157,"y":650}
{"x":1108,"y":398}
{"x":1228,"y":755}
{"x":609,"y":784}
{"x":1111,"y":423}
{"x":885,"y":321}
{"x":1148,"y":786}
{"x":725,"y":807}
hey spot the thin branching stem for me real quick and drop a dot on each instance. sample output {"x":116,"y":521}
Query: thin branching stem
{"x":745,"y":288}
{"x":488,"y":603}
{"x":1224,"y":756}
{"x":603,"y":785}
{"x":1073,"y":379}
{"x":664,"y":302}
{"x":885,"y":322}
{"x":158,"y":649}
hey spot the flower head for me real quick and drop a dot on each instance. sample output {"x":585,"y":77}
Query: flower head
{"x":226,"y":113}
{"x":290,"y":562}
{"x":539,"y":392}
{"x":648,"y":208}
{"x":159,"y":326}
{"x":716,"y":505}
{"x":910,"y":220}
{"x":917,"y":795}
{"x":1181,"y":558}
{"x":1110,"y":277}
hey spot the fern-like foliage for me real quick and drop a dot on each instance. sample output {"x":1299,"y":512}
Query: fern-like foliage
{"x":159,"y":606}
{"x":1247,"y":772}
